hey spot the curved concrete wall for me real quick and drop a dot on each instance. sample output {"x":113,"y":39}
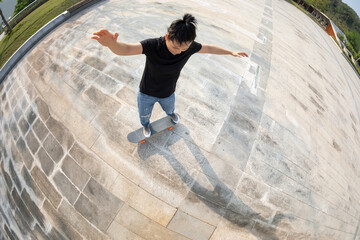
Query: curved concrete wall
{"x":268,"y":147}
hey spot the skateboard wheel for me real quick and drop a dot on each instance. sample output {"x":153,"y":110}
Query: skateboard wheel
{"x":142,"y":141}
{"x":170,"y":128}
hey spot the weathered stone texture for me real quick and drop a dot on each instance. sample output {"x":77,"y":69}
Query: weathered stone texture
{"x":24,"y":126}
{"x":66,"y":188}
{"x":107,"y":84}
{"x":80,"y":223}
{"x":53,"y":148}
{"x":30,"y":115}
{"x":93,"y":165}
{"x":23,"y":225}
{"x":6,"y":176}
{"x":143,"y":226}
{"x":14,"y":176}
{"x":31,"y":184}
{"x":14,"y":130}
{"x":95,"y":62}
{"x":46,"y":163}
{"x":25,"y":153}
{"x":98,"y":205}
{"x":39,"y":233}
{"x":118,"y":232}
{"x":32,"y":142}
{"x":103,"y":102}
{"x":60,"y":222}
{"x":62,"y":135}
{"x":11,"y":234}
{"x":42,"y":109}
{"x":40,"y":130}
{"x":22,"y":207}
{"x":74,"y":172}
{"x":136,"y":197}
{"x":46,"y":186}
{"x":190,"y":227}
{"x":33,"y":208}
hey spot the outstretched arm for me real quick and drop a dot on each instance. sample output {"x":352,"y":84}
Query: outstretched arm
{"x":107,"y":39}
{"x":212,"y":49}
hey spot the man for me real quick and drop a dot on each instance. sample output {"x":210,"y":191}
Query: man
{"x":165,"y":57}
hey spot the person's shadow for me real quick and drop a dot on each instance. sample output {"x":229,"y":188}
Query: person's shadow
{"x":222,"y":199}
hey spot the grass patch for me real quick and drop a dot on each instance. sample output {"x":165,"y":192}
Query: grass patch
{"x":30,"y":25}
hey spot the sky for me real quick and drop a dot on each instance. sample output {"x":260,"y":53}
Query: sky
{"x":8,"y":8}
{"x":354,"y":4}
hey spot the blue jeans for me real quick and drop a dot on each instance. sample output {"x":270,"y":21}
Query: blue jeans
{"x":146,"y":105}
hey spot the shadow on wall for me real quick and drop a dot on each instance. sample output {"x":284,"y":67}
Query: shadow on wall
{"x":222,"y":199}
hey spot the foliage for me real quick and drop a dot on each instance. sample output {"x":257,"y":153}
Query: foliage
{"x":354,"y":39}
{"x":341,"y":37}
{"x":21,"y":4}
{"x":320,"y":4}
{"x":351,"y":49}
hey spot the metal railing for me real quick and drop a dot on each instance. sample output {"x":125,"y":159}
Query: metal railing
{"x":22,"y":14}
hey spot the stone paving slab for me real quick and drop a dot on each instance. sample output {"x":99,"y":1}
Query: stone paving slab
{"x":267,"y":147}
{"x":142,"y":201}
{"x":116,"y":231}
{"x":46,"y":186}
{"x":67,"y":189}
{"x":59,"y":222}
{"x":80,"y":223}
{"x":190,"y":226}
{"x":75,"y":173}
{"x":98,"y":205}
{"x":143,"y":226}
{"x":93,"y":165}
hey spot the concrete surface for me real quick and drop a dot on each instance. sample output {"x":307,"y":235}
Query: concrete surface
{"x":268,"y":147}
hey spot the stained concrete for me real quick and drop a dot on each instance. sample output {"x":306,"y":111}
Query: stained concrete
{"x":268,"y":147}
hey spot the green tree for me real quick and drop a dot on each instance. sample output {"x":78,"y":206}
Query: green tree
{"x":320,"y":4}
{"x":343,"y":16}
{"x":341,"y":37}
{"x":4,"y":20}
{"x":21,"y":4}
{"x":354,"y":39}
{"x":351,"y":49}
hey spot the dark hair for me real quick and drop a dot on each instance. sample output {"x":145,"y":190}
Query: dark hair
{"x":183,"y":30}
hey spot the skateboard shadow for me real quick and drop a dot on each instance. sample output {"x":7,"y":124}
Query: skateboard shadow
{"x":222,"y":200}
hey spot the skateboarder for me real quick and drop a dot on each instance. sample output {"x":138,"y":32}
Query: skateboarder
{"x":165,"y":57}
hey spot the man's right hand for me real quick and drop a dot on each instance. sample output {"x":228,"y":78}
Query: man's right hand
{"x":105,"y":38}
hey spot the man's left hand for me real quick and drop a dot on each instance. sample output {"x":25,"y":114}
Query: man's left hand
{"x":239,"y":54}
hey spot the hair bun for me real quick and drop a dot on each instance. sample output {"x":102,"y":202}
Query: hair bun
{"x":188,"y":18}
{"x":183,"y":30}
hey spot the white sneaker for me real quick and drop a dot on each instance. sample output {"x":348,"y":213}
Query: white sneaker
{"x":147,"y":131}
{"x":175,"y":118}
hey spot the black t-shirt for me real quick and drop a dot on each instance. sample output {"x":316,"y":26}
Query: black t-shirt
{"x":162,"y":68}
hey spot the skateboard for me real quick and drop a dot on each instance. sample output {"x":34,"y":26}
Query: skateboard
{"x":156,"y":127}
